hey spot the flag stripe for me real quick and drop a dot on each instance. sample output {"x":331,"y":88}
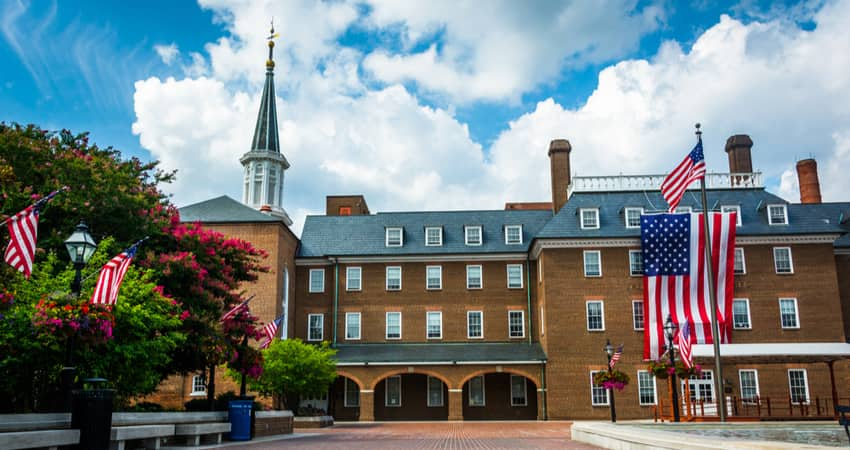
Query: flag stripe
{"x":111,"y":276}
{"x":23,"y":232}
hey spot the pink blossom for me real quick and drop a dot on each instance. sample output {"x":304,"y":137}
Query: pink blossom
{"x":185,"y":315}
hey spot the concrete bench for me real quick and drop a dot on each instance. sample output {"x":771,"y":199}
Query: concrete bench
{"x":149,"y":434}
{"x":194,"y":431}
{"x":49,"y":439}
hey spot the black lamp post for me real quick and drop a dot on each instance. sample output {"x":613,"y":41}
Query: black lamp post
{"x":80,"y":247}
{"x":609,"y":349}
{"x":670,"y":331}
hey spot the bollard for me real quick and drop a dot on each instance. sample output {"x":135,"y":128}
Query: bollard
{"x":91,"y":413}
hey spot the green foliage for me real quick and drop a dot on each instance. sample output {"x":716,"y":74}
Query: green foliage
{"x":293,"y":369}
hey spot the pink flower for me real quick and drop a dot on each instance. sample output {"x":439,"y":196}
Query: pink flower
{"x":185,"y":315}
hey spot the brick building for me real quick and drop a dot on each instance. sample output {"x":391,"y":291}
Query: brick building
{"x":503,"y":314}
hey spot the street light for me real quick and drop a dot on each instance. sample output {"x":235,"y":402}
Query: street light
{"x":609,"y":349}
{"x":670,"y":331}
{"x":80,"y":246}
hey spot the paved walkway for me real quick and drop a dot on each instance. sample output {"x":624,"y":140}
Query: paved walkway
{"x":425,"y":435}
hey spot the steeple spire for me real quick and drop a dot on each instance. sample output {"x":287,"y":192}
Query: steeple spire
{"x":264,"y":164}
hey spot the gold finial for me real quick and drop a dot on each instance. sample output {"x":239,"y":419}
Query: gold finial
{"x":272,"y":36}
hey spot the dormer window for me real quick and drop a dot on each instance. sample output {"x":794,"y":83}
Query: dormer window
{"x":513,"y":234}
{"x":777,"y":214}
{"x":394,"y":236}
{"x":633,"y":217}
{"x":473,"y":234}
{"x":433,"y":236}
{"x":733,"y":208}
{"x":589,"y":218}
{"x":683,"y":210}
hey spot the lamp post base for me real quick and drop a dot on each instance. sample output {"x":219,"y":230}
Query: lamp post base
{"x":66,"y":380}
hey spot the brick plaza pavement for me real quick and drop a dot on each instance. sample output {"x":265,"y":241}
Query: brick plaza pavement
{"x":426,"y":435}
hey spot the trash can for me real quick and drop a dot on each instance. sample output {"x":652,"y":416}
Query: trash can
{"x":91,"y":413}
{"x":239,"y":414}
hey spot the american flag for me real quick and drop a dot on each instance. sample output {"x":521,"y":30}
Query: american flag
{"x":675,"y":278}
{"x":692,"y":168}
{"x":271,"y":331}
{"x":236,"y":309}
{"x":111,"y":275}
{"x":616,"y":357}
{"x":684,"y":339}
{"x":23,"y":233}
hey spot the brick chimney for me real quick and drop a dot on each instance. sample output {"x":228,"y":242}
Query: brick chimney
{"x":559,"y":164}
{"x":807,"y":175}
{"x":738,"y":148}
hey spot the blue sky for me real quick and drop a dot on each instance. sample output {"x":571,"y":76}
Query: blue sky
{"x":432,"y":105}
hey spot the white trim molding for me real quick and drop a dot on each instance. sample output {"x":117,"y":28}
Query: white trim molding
{"x":440,"y":363}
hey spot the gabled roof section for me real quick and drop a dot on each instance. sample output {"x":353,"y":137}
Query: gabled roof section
{"x":223,"y":210}
{"x":802,"y":218}
{"x":365,"y":235}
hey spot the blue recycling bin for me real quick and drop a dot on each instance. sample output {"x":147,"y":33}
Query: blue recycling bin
{"x":239,"y":414}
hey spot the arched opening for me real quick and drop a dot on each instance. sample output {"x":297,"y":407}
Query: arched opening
{"x":499,"y":396}
{"x":411,"y":396}
{"x":344,"y":403}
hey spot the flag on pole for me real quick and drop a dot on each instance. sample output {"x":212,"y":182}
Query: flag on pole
{"x":236,"y":310}
{"x":23,"y":232}
{"x":675,"y":278}
{"x":271,"y":331}
{"x":684,"y":339}
{"x":111,"y":276}
{"x":691,"y":169}
{"x":616,"y":357}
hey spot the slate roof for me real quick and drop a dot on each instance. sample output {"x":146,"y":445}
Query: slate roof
{"x":802,"y":219}
{"x":442,"y":352}
{"x":365,"y":235}
{"x":223,"y":210}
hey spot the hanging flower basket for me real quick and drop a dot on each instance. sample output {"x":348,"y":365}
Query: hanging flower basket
{"x":91,"y":324}
{"x":611,"y":380}
{"x":660,"y":369}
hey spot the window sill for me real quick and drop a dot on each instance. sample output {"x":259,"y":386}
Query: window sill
{"x":198,"y":394}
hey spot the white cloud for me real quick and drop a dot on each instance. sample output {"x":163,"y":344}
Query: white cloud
{"x":167,"y":53}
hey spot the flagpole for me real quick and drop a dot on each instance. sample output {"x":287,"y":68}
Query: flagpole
{"x":715,"y":326}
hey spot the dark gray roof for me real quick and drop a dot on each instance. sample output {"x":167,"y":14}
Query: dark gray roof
{"x":802,"y":219}
{"x":442,"y":352}
{"x":222,"y":210}
{"x":365,"y":235}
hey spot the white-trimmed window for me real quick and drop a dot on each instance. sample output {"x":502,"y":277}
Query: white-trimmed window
{"x":646,"y":388}
{"x":475,"y":324}
{"x":741,"y":314}
{"x":199,"y":385}
{"x":513,"y":234}
{"x":352,"y":279}
{"x":595,"y":315}
{"x":435,"y":391}
{"x":798,"y":383}
{"x":473,"y":277}
{"x":434,"y":321}
{"x":782,"y":260}
{"x":472,"y":234}
{"x":352,"y":394}
{"x":592,"y":263}
{"x":433,"y":277}
{"x":635,"y":263}
{"x":394,"y":278}
{"x":433,"y":236}
{"x":589,"y":218}
{"x":788,"y":314}
{"x":352,"y":326}
{"x":683,"y":209}
{"x":394,"y":325}
{"x":316,"y":327}
{"x":637,"y":315}
{"x":733,"y":208}
{"x":740,"y":261}
{"x":476,"y":391}
{"x":598,"y":394}
{"x":514,"y":276}
{"x":702,"y":387}
{"x":516,"y":324}
{"x":777,"y":214}
{"x":633,"y":217}
{"x":395,"y":236}
{"x":542,"y":322}
{"x":519,"y":391}
{"x":749,"y":379}
{"x":392,"y":391}
{"x":317,"y":281}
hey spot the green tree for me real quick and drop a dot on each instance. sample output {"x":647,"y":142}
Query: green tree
{"x":294,"y":370}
